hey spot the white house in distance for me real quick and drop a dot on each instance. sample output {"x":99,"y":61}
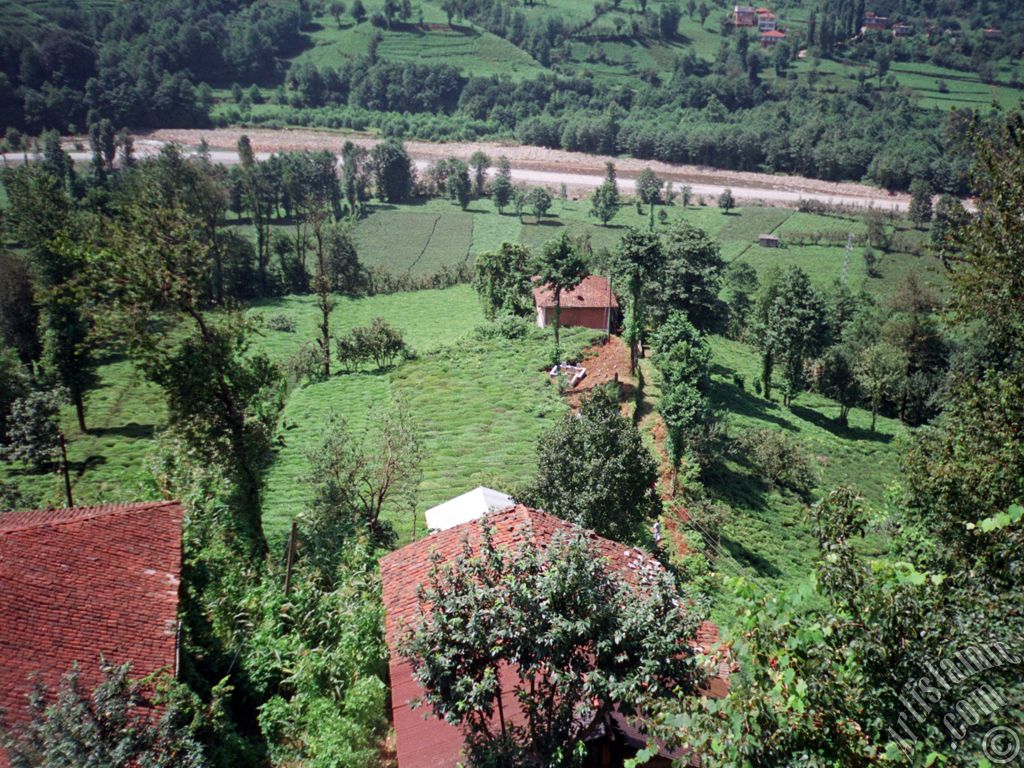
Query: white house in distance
{"x":469,"y":506}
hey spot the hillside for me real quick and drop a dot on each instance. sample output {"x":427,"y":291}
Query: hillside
{"x":665,"y":80}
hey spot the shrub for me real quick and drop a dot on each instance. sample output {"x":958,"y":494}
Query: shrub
{"x":779,"y":459}
{"x":378,"y":342}
{"x":306,"y":365}
{"x":504,"y":327}
{"x":281,"y":323}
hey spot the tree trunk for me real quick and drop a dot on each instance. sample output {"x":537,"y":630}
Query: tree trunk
{"x":80,"y":411}
{"x":767,"y":363}
{"x":874,"y":414}
{"x":558,"y":319}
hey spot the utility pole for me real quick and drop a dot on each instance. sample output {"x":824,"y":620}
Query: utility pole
{"x":64,"y":468}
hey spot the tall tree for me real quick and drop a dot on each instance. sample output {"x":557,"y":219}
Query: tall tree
{"x":560,"y":267}
{"x":479,"y":162}
{"x":501,"y":187}
{"x":392,"y":170}
{"x":604,"y":203}
{"x":648,"y":187}
{"x":690,"y":279}
{"x":221,"y":398}
{"x":637,"y":262}
{"x":502,"y":280}
{"x":42,"y":220}
{"x":920,"y":202}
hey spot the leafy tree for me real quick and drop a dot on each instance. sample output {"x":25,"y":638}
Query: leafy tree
{"x":604,"y":203}
{"x":344,"y":272}
{"x":779,"y":459}
{"x":560,"y":268}
{"x":703,"y":11}
{"x":501,"y":187}
{"x":392,"y":170}
{"x":355,"y":475}
{"x":681,"y":353}
{"x":594,"y":470}
{"x":689,"y":420}
{"x":33,"y":433}
{"x":520,"y":199}
{"x":792,"y":329}
{"x":457,"y":183}
{"x":838,"y":382}
{"x":502,"y":279}
{"x":479,"y":162}
{"x":221,"y":398}
{"x":532,"y":615}
{"x":741,"y":283}
{"x":950,"y":217}
{"x":690,"y":279}
{"x":378,"y":342}
{"x":726,"y":201}
{"x":354,"y":180}
{"x":878,"y":372}
{"x":107,"y":726}
{"x":358,"y":11}
{"x":637,"y":262}
{"x":648,"y":187}
{"x":41,"y":218}
{"x":13,"y":385}
{"x":539,"y":200}
{"x":337,"y":10}
{"x":920,"y":202}
{"x":19,"y":312}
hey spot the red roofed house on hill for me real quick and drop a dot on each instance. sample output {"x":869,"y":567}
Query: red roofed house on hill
{"x":588,"y":305}
{"x":424,"y":741}
{"x":78,"y":584}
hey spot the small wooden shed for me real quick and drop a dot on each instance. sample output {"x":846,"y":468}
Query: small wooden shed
{"x":768,"y":241}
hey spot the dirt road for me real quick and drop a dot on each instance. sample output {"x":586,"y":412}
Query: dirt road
{"x":535,"y":165}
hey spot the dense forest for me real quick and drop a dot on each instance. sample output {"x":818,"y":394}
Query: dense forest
{"x":158,"y":65}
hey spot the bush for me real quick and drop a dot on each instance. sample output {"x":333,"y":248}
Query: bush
{"x":280,"y":323}
{"x":779,"y":459}
{"x":504,"y":327}
{"x":306,"y":365}
{"x":378,"y":342}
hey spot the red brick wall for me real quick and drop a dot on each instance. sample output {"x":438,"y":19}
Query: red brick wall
{"x":590,"y":317}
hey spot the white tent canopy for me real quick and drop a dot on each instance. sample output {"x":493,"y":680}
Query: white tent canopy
{"x":468,"y":506}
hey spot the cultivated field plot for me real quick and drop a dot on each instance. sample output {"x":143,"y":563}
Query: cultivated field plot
{"x":420,"y":243}
{"x":428,"y":39}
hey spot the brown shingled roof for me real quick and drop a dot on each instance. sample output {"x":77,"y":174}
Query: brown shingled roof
{"x":76,"y":584}
{"x":423,"y":741}
{"x":594,"y":291}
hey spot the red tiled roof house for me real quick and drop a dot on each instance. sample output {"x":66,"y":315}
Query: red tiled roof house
{"x":588,"y":305}
{"x":424,"y":741}
{"x":78,"y":584}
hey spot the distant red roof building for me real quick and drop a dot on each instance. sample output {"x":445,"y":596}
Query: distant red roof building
{"x":424,"y":741}
{"x":76,"y":584}
{"x":588,"y":305}
{"x":771,"y":37}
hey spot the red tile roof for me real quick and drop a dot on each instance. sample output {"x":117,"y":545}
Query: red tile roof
{"x":773,"y":33}
{"x":76,"y":584}
{"x":423,"y":741}
{"x":594,"y":291}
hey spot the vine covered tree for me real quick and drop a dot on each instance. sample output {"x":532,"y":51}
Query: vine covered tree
{"x":502,"y":280}
{"x":392,"y":170}
{"x":637,"y":262}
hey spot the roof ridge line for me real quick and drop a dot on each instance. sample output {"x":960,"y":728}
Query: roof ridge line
{"x":97,"y":511}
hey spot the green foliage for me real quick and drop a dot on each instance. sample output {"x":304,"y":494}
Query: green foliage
{"x":378,"y":343}
{"x":726,"y":201}
{"x":878,"y":372}
{"x":33,"y":434}
{"x":604,"y":203}
{"x":625,"y":644}
{"x":105,"y":726}
{"x":741,"y":283}
{"x":502,"y":280}
{"x":391,"y":167}
{"x":595,"y":471}
{"x":539,"y":201}
{"x":920,"y":202}
{"x":836,"y":380}
{"x":779,"y":459}
{"x":680,"y":353}
{"x":13,"y":386}
{"x":637,"y":262}
{"x":689,"y":422}
{"x":355,"y":475}
{"x":560,"y":268}
{"x":690,"y":279}
{"x":316,"y":657}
